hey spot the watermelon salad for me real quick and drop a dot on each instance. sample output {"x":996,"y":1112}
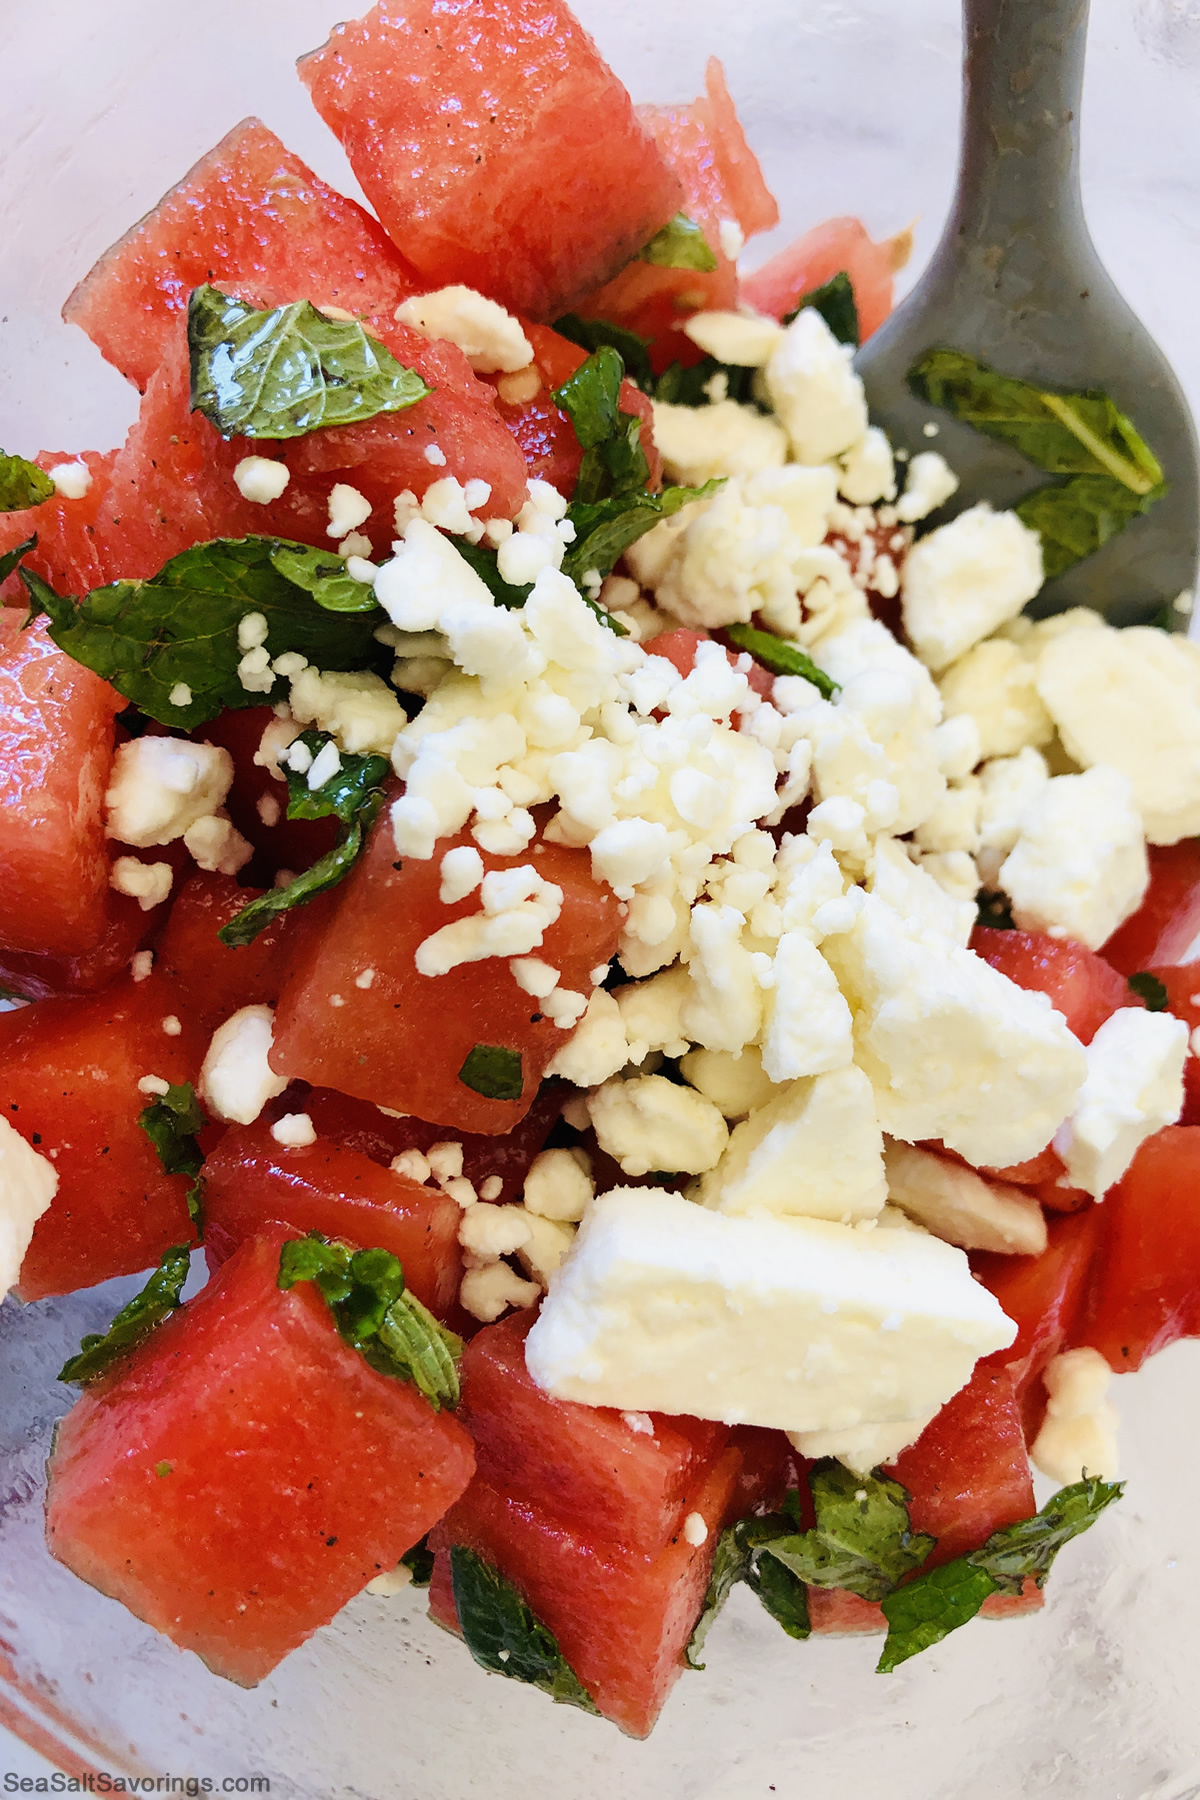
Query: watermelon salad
{"x":548,"y":868}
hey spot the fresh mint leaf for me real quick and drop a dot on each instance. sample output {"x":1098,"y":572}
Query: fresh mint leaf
{"x":680,"y":245}
{"x":591,"y":397}
{"x":1150,"y":990}
{"x":322,"y":573}
{"x":1063,"y":433}
{"x":924,"y":1611}
{"x":178,"y":629}
{"x":483,"y":560}
{"x":171,"y":1122}
{"x":835,"y":302}
{"x":604,"y":529}
{"x":731,"y":1564}
{"x":12,"y":558}
{"x":1078,"y":516}
{"x":136,"y":1320}
{"x":782,"y":1594}
{"x":693,"y":386}
{"x":344,"y":794}
{"x":780,"y":657}
{"x":493,"y":1071}
{"x":503,"y":1635}
{"x":862,"y":1540}
{"x":318,"y":878}
{"x":420,"y":1559}
{"x":288,"y":371}
{"x":376,"y":1315}
{"x":22,"y":484}
{"x":594,"y":334}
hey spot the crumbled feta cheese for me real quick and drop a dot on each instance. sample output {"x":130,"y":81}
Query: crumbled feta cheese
{"x":236,"y":1079}
{"x":861,"y":1448}
{"x":428,"y":586}
{"x":559,"y":1185}
{"x":734,"y":1080}
{"x":324,"y":766}
{"x":954,"y":1049}
{"x":953,"y":824}
{"x":1079,"y":1435}
{"x":490,"y":1232}
{"x":993,"y":684}
{"x":565,"y":1007}
{"x":435,"y":456}
{"x":965,"y":579}
{"x":413,"y":1164}
{"x":650,"y":1123}
{"x":72,"y":480}
{"x":261,"y":479}
{"x":700,"y":442}
{"x":355,"y":546}
{"x":147,"y":883}
{"x":724,"y":1009}
{"x":695,"y":1531}
{"x":462,"y":872}
{"x":597,"y":1047}
{"x":268,"y":809}
{"x":533,"y":976}
{"x":215,"y":843}
{"x":140,"y":964}
{"x":444,"y":504}
{"x":792,"y":1323}
{"x":358,"y":569}
{"x":489,"y":337}
{"x":911,"y":890}
{"x":931,"y":482}
{"x":814,"y":1151}
{"x":295,"y":1131}
{"x":487,"y":1292}
{"x":160,"y":786}
{"x":390,"y":1583}
{"x":545,"y":1249}
{"x":1134,"y":1087}
{"x":745,"y":340}
{"x":359,"y":710}
{"x":28,"y":1183}
{"x":180,"y":695}
{"x":171,"y":1026}
{"x":255,"y":673}
{"x":252,"y":631}
{"x":650,"y":1013}
{"x":961,"y":1207}
{"x":958,"y":746}
{"x":1131,"y":699}
{"x":808,"y":1029}
{"x":1009,"y":786}
{"x":814,"y":391}
{"x":1078,"y":868}
{"x":518,"y":907}
{"x":348,"y":509}
{"x":868,"y":470}
{"x":446,"y":1161}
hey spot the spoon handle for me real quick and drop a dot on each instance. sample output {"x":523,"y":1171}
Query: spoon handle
{"x":1019,"y":157}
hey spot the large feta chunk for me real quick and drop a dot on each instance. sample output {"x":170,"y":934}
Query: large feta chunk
{"x":797,"y":1324}
{"x":994,"y":685}
{"x":961,"y":1207}
{"x":814,"y":1151}
{"x":1079,"y":1435}
{"x":699,"y":442}
{"x":861,"y":1448}
{"x":597,"y":1047}
{"x":734,"y":1080}
{"x":1134,"y":1087}
{"x":1078,"y":868}
{"x":954,"y":1049}
{"x":913,"y":893}
{"x":28,"y":1183}
{"x":814,"y":391}
{"x":650,"y":1123}
{"x":160,"y":786}
{"x":745,"y":340}
{"x":358,"y":709}
{"x":965,"y":579}
{"x":808,"y":1029}
{"x":236,"y":1079}
{"x":1008,"y":785}
{"x":489,"y":337}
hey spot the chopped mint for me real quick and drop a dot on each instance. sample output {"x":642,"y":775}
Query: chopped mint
{"x":1078,"y":516}
{"x":136,"y":1320}
{"x":179,"y":629}
{"x":162,"y":1469}
{"x":862,"y":1540}
{"x":12,"y":558}
{"x":171,"y":1122}
{"x":502,"y":1634}
{"x":375,"y":1314}
{"x":22,"y":484}
{"x":730,"y":1565}
{"x":680,"y":245}
{"x":693,"y":386}
{"x":344,"y":794}
{"x":741,"y":1556}
{"x":493,"y":1071}
{"x":288,"y":371}
{"x":591,"y":398}
{"x":780,"y":657}
{"x":594,"y":334}
{"x":781,"y":1593}
{"x":1150,"y":990}
{"x":835,"y":302}
{"x":604,"y":529}
{"x":926,"y":1610}
{"x":322,"y":573}
{"x":420,"y":1560}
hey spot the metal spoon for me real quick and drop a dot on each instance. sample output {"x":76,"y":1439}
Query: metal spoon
{"x":1016,"y":281}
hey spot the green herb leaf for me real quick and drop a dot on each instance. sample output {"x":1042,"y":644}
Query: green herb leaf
{"x":325,"y":873}
{"x":502,"y":1634}
{"x":862,"y":1540}
{"x":322,"y":573}
{"x":1150,"y":990}
{"x":343,"y":795}
{"x":179,"y":628}
{"x":837,"y":306}
{"x":780,"y":657}
{"x":483,"y":559}
{"x":420,"y":1559}
{"x":375,"y":1315}
{"x":288,"y":371}
{"x":680,"y":245}
{"x":1078,"y":516}
{"x":1064,"y":433}
{"x":11,"y":558}
{"x":994,"y":911}
{"x":591,"y":397}
{"x":604,"y":529}
{"x":494,"y":1071}
{"x":171,"y":1122}
{"x":731,"y":1564}
{"x":594,"y":334}
{"x":162,"y":1469}
{"x":692,"y":386}
{"x":782,"y":1593}
{"x":923,"y":1612}
{"x":22,"y":484}
{"x":135,"y":1321}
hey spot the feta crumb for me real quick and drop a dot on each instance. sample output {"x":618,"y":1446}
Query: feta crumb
{"x":965,"y":579}
{"x":413,"y":1164}
{"x":252,"y":631}
{"x":518,"y":907}
{"x":445,"y":1160}
{"x":268,"y":809}
{"x":1134,"y":1087}
{"x":545,"y":1249}
{"x":490,"y":1232}
{"x":153,"y":1084}
{"x":962,"y":1208}
{"x":808,"y":1029}
{"x":236,"y":1079}
{"x":72,"y":480}
{"x":324,"y":766}
{"x":261,"y":479}
{"x":180,"y":695}
{"x":1079,"y":1436}
{"x":215,"y":844}
{"x":487,"y":1292}
{"x":700,"y":442}
{"x":491,"y":1187}
{"x":365,"y":978}
{"x":160,"y":786}
{"x":814,"y":391}
{"x":147,"y":883}
{"x":391,"y":1582}
{"x":255,"y":673}
{"x":348,"y":509}
{"x":1008,"y":788}
{"x":171,"y":1026}
{"x":489,"y":337}
{"x":734,"y":1080}
{"x":354,"y":547}
{"x":597,"y":1047}
{"x":1078,"y":868}
{"x":564,"y":1007}
{"x":744,"y":340}
{"x":359,"y":710}
{"x":868,"y":470}
{"x":641,"y":1424}
{"x":931,"y":482}
{"x":28,"y":1183}
{"x":141,"y":964}
{"x":648,"y":1123}
{"x":434,"y":455}
{"x":994,"y":685}
{"x":695,"y":1531}
{"x":533,"y":976}
{"x":559,"y":1185}
{"x":358,"y":569}
{"x":295,"y":1131}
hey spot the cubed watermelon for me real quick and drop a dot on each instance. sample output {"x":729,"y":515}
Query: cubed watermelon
{"x":833,"y":1612}
{"x":1166,"y":926}
{"x":257,"y":796}
{"x":244,"y":1472}
{"x":36,"y":976}
{"x":823,"y":252}
{"x":1044,"y":1296}
{"x":1080,"y":985}
{"x":66,"y":554}
{"x":56,"y":749}
{"x":250,"y":1179}
{"x":401,"y":1040}
{"x":495,"y":144}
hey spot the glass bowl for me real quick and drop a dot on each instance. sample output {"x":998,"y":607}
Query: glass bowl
{"x":852,"y":105}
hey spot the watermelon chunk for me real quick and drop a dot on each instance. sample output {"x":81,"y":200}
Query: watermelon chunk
{"x":210,"y":979}
{"x":579,"y":1463}
{"x":66,"y":554}
{"x":402,"y":1040}
{"x":244,"y":1472}
{"x":495,"y":145}
{"x":621,"y":1618}
{"x":250,"y":1179}
{"x":254,"y":220}
{"x":36,"y":976}
{"x":56,"y":749}
{"x":833,"y":1612}
{"x":1044,"y":1297}
{"x":823,"y":252}
{"x":1080,"y":985}
{"x":1166,"y":926}
{"x":69,"y":1073}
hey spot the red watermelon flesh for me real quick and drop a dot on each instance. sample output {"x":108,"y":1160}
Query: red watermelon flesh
{"x":56,"y":750}
{"x":244,"y":1472}
{"x":579,"y":1462}
{"x":1166,"y":926}
{"x":42,"y":977}
{"x":285,"y":843}
{"x":622,"y":1619}
{"x":250,"y":1179}
{"x":253,"y":220}
{"x":1079,"y":984}
{"x":833,"y":1612}
{"x":823,"y":252}
{"x":1043,"y":1295}
{"x":66,"y":554}
{"x":495,"y":144}
{"x":69,"y":1073}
